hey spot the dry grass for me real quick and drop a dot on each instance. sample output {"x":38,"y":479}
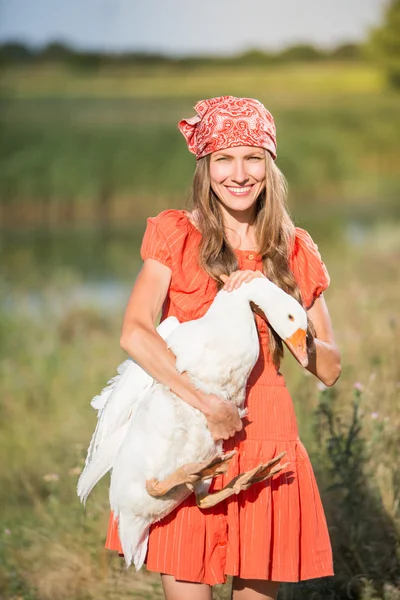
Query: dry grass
{"x":50,"y":368}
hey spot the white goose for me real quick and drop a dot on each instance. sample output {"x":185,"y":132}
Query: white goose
{"x":116,"y":405}
{"x":159,"y":447}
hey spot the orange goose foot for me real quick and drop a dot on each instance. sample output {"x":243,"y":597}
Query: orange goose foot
{"x":241,"y":482}
{"x":189,"y":475}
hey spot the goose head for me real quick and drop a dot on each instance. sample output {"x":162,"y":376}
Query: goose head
{"x":286,"y":316}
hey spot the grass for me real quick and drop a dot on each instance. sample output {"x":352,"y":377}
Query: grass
{"x":84,"y":147}
{"x":59,"y":162}
{"x":54,"y":360}
{"x":174,"y":81}
{"x":103,"y":145}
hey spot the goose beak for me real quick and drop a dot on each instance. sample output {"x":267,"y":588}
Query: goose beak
{"x":297,"y":344}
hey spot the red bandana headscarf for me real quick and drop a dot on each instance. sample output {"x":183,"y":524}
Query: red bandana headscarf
{"x":226,"y":122}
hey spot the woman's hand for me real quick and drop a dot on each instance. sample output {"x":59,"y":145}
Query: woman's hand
{"x":236,"y":278}
{"x":222,"y":416}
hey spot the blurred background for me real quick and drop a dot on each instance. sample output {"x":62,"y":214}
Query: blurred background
{"x":90,"y":94}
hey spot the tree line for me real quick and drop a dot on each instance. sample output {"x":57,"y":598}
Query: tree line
{"x":17,"y":53}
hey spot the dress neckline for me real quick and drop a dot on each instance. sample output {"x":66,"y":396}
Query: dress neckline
{"x":252,"y":254}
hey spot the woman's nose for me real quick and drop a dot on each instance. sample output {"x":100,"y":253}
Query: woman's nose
{"x":239,"y":174}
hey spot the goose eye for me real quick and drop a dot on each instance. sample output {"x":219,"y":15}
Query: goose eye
{"x":291,"y":318}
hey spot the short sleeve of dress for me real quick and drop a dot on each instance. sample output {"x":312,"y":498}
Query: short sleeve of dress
{"x":308,"y":268}
{"x":158,"y":237}
{"x":165,"y":239}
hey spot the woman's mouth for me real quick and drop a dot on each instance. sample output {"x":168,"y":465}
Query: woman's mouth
{"x":239,"y":190}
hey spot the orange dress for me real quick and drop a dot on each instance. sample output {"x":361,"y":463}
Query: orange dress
{"x":276,"y":530}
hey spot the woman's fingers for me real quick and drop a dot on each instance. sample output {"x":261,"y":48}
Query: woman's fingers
{"x":223,"y":419}
{"x":228,"y":280}
{"x":222,"y":435}
{"x":236,"y":278}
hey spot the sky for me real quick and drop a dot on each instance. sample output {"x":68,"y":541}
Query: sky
{"x":187,"y":27}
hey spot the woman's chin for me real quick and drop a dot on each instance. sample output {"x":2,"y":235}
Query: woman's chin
{"x":242,"y":205}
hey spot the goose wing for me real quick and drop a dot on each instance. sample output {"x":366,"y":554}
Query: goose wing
{"x":116,"y":405}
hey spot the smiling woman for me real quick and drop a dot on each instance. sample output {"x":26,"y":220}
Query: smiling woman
{"x":239,"y":229}
{"x":238,"y":173}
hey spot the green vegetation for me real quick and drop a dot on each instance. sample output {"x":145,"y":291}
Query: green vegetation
{"x":88,"y":141}
{"x":384,"y":43}
{"x":55,"y":356}
{"x":92,"y":137}
{"x":103,"y":146}
{"x":55,"y":52}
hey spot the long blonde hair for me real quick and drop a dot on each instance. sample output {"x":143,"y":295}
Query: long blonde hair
{"x":274,"y":231}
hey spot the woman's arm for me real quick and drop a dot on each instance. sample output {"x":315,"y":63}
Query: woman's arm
{"x":323,"y":354}
{"x":141,"y":341}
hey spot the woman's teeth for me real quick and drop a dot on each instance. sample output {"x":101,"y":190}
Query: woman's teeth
{"x":240,"y":190}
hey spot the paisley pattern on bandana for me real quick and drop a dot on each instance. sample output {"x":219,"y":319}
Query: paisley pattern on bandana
{"x":226,"y":122}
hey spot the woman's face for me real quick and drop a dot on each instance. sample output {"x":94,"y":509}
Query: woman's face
{"x":238,"y":176}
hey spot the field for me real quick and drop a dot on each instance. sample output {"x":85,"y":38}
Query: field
{"x":84,"y":157}
{"x":102,"y":146}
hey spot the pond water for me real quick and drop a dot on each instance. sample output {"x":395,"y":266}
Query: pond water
{"x":68,"y":268}
{"x":90,"y":268}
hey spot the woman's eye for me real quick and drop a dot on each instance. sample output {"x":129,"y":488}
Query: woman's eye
{"x":255,"y":158}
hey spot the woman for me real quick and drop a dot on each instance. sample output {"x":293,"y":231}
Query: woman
{"x":238,"y":229}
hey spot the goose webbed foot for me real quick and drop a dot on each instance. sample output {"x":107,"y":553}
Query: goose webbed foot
{"x":189,"y":475}
{"x":241,"y":482}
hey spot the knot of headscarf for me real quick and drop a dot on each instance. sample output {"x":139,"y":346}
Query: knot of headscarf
{"x":227,"y":122}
